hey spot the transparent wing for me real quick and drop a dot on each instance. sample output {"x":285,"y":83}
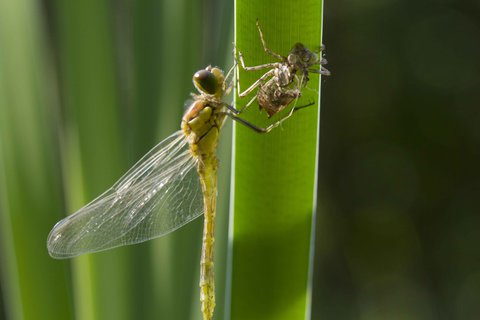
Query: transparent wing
{"x":157,"y":195}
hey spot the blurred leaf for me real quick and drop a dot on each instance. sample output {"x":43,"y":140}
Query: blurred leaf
{"x":93,"y":150}
{"x":34,"y":286}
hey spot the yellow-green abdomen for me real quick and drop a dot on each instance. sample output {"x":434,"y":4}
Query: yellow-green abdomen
{"x":201,"y":125}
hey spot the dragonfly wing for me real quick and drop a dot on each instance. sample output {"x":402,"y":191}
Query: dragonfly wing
{"x":158,"y":195}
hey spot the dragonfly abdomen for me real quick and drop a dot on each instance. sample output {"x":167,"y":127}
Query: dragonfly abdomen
{"x":274,"y":99}
{"x":201,"y":125}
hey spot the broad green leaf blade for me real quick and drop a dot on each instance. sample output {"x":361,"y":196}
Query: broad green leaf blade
{"x":274,"y":174}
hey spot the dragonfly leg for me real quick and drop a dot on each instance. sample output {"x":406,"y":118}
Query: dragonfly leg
{"x":252,"y":68}
{"x":255,"y":68}
{"x":255,"y":84}
{"x":292,"y":111}
{"x":323,"y":71}
{"x":270,"y":127}
{"x":246,"y":123}
{"x":231,"y":73}
{"x":238,"y":111}
{"x":247,"y":105}
{"x":267,"y":50}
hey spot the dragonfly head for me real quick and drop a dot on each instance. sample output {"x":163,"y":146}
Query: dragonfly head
{"x":209,"y":80}
{"x":301,"y":57}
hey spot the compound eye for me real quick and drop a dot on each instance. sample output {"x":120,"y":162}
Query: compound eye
{"x":292,"y":58}
{"x":298,"y":47}
{"x":205,"y":81}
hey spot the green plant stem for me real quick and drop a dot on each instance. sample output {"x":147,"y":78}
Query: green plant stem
{"x":274,"y":178}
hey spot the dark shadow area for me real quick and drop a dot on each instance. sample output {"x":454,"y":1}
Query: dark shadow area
{"x":397,"y":234}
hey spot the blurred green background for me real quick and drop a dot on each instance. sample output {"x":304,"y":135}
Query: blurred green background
{"x":399,"y":195}
{"x":88,"y":87}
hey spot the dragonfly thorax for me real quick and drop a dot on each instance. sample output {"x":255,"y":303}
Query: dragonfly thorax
{"x":283,"y":75}
{"x":201,"y":124}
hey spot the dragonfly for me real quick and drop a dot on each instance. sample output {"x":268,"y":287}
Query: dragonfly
{"x":173,"y":184}
{"x":281,"y":85}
